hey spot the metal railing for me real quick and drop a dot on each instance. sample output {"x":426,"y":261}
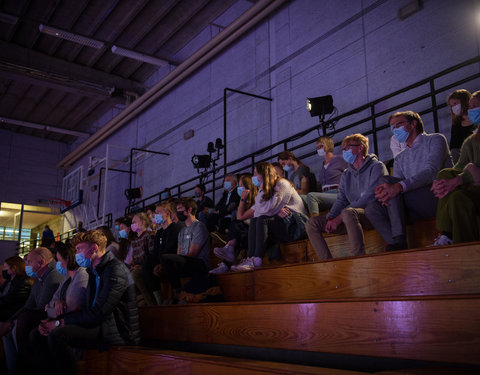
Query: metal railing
{"x":187,"y":186}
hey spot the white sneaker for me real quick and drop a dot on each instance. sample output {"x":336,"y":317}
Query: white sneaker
{"x":222,"y":268}
{"x":226,"y":253}
{"x":442,"y":240}
{"x":248,"y":264}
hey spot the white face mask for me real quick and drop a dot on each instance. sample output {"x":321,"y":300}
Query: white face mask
{"x":457,"y":109}
{"x":321,"y":152}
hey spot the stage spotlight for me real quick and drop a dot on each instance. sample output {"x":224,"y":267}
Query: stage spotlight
{"x":201,"y":161}
{"x":320,"y":106}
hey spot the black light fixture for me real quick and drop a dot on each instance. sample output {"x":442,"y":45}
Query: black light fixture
{"x":201,"y":161}
{"x":133,"y":193}
{"x":320,"y":106}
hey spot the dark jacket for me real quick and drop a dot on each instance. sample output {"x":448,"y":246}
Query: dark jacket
{"x":42,"y":290}
{"x":115,"y":309}
{"x":15,"y":297}
{"x":204,"y":202}
{"x":225,"y":209}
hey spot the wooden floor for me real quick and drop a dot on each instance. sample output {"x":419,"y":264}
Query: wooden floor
{"x":418,"y":306}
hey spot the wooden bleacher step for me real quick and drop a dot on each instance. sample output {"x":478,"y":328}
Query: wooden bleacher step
{"x":435,"y":271}
{"x":438,"y":329}
{"x":145,"y":361}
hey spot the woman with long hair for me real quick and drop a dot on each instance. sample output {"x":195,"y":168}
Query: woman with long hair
{"x":279,"y":215}
{"x":462,"y":127}
{"x":237,"y":237}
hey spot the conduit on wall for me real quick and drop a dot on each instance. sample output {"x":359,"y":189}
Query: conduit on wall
{"x":224,"y":39}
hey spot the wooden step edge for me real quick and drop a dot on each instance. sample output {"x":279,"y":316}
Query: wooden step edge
{"x":234,"y":362}
{"x":380,"y":254}
{"x":317,"y":301}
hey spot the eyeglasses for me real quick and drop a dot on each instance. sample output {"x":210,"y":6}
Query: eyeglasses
{"x":348,"y":147}
{"x":398,"y":124}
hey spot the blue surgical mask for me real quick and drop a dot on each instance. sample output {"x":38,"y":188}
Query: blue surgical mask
{"x":227,"y":185}
{"x":348,"y":156}
{"x":60,"y":269}
{"x":82,"y":261}
{"x":400,"y":134}
{"x":117,"y":228}
{"x":256,"y":181}
{"x":159,"y":219}
{"x":123,"y":233}
{"x":239,"y":190}
{"x":474,"y":115}
{"x":287,"y":168}
{"x":30,"y":272}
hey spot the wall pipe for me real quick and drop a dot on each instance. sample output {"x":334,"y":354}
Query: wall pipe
{"x":99,"y":185}
{"x":222,"y":40}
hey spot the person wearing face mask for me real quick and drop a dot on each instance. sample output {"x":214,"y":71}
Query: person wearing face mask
{"x":70,"y":296}
{"x":165,"y":242}
{"x":301,"y":176}
{"x":224,"y":210}
{"x":355,"y":191}
{"x":278,"y":215}
{"x":140,"y":249}
{"x":407,"y":192}
{"x":458,"y":189}
{"x":329,"y":177}
{"x":237,"y":237}
{"x":192,"y":257}
{"x":110,"y":316}
{"x":116,"y":229}
{"x":126,"y":237}
{"x":42,"y":266}
{"x":204,"y":203}
{"x":462,"y":127}
{"x":16,"y":289}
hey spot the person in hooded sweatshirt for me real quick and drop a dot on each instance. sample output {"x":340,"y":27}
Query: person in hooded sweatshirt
{"x":407,"y":193}
{"x":355,"y":191}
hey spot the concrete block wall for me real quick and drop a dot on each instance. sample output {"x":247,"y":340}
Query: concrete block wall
{"x":27,"y":168}
{"x":355,"y":50}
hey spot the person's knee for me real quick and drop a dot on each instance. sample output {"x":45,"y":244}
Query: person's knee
{"x":349,"y":215}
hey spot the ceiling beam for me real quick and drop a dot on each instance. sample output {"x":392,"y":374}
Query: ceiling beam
{"x":44,"y":70}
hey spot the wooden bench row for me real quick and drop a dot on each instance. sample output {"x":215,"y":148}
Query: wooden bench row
{"x":445,"y":270}
{"x":439,"y":329}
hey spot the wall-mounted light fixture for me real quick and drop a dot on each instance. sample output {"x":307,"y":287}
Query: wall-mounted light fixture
{"x":320,"y":106}
{"x":205,"y":161}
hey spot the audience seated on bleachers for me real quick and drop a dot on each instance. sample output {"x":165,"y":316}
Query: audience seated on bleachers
{"x":407,"y":192}
{"x":237,"y":237}
{"x":329,"y":177}
{"x":110,"y":316}
{"x":15,"y":331}
{"x":221,"y":216}
{"x":299,"y":174}
{"x":279,"y":215}
{"x":355,"y":191}
{"x":165,"y":242}
{"x":204,"y":203}
{"x":70,"y":296}
{"x":462,"y":127}
{"x":458,"y":189}
{"x":16,"y":289}
{"x":140,"y":248}
{"x":192,"y":258}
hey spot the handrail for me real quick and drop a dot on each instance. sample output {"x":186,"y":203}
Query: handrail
{"x":372,"y":118}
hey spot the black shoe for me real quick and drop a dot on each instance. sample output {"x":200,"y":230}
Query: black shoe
{"x":396,"y":246}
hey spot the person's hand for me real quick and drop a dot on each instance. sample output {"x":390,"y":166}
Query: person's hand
{"x":136,"y":267}
{"x":333,"y":224}
{"x":157,"y":270}
{"x":386,"y":191}
{"x":46,"y":326}
{"x":244,"y":194}
{"x":284,"y":212}
{"x":441,"y":188}
{"x":60,"y":307}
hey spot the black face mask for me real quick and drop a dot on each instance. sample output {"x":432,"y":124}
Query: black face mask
{"x":181,"y":215}
{"x":6,"y":275}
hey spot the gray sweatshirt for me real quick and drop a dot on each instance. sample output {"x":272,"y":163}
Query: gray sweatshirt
{"x":418,"y":166}
{"x":357,"y":188}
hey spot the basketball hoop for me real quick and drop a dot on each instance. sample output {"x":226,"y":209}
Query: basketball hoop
{"x":58,"y":204}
